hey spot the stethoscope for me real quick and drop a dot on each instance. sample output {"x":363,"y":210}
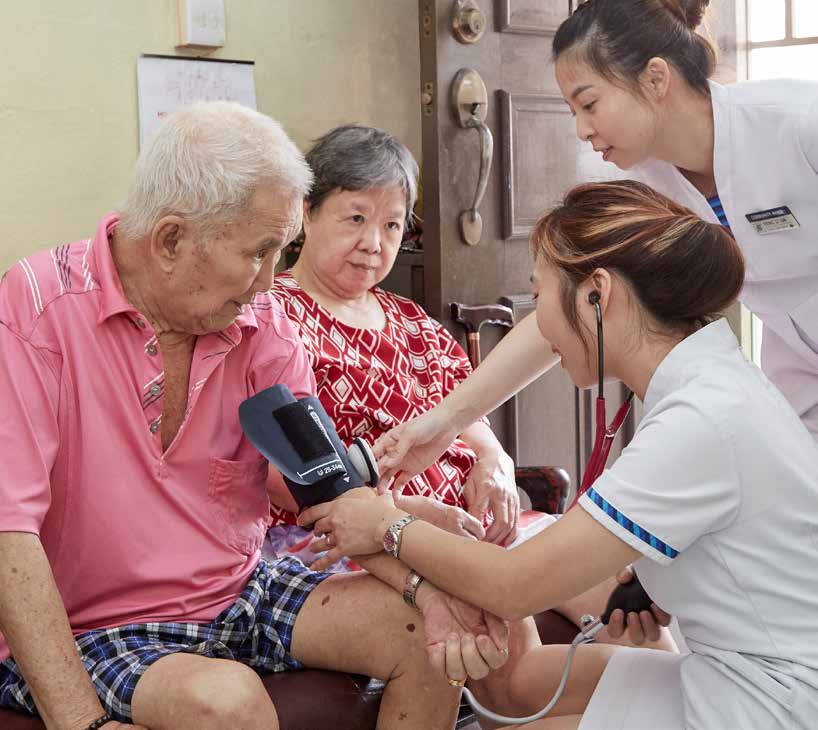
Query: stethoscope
{"x":629,"y":597}
{"x":605,"y":435}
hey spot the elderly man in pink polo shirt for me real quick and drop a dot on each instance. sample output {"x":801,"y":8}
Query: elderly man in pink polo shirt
{"x":132,"y":509}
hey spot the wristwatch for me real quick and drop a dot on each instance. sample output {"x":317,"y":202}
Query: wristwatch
{"x":391,"y":538}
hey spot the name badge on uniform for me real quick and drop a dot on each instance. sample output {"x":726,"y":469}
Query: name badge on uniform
{"x":774,"y":220}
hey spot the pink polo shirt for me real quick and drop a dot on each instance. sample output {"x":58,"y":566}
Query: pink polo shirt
{"x":133,"y":534}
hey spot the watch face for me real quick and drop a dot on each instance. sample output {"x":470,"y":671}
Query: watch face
{"x":389,"y":541}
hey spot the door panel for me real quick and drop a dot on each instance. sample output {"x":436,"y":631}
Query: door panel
{"x":538,"y":157}
{"x":529,"y":16}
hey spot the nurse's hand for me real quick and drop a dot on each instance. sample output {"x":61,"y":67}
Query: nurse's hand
{"x":412,"y":447}
{"x":641,"y":627}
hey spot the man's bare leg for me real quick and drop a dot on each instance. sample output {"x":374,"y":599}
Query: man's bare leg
{"x":351,"y":623}
{"x":355,"y":623}
{"x":190,"y":692}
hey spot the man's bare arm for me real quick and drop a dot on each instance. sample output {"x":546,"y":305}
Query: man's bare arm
{"x":35,"y":625}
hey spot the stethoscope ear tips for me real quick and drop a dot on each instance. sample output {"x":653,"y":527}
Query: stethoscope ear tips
{"x":593,"y":297}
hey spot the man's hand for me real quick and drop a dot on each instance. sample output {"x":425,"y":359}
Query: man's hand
{"x":412,"y":447}
{"x":462,"y":640}
{"x":114,"y":725}
{"x":641,"y":627}
{"x":491,"y":485}
{"x":353,"y":524}
{"x":445,"y":516}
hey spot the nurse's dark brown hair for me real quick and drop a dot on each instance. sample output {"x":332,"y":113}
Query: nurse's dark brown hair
{"x":683,"y":270}
{"x":617,"y":38}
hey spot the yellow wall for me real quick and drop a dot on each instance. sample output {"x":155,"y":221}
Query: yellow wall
{"x":68,"y":105}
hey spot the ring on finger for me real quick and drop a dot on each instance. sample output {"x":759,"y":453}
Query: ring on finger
{"x":456,"y":682}
{"x":329,"y":540}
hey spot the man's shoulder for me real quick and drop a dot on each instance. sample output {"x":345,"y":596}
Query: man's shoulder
{"x":271,"y":319}
{"x":33,"y":285}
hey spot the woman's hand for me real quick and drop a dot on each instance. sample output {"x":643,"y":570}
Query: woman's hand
{"x":412,"y":447}
{"x":462,"y":640}
{"x":353,"y":524}
{"x":641,"y":626}
{"x":491,"y":485}
{"x":445,"y":516}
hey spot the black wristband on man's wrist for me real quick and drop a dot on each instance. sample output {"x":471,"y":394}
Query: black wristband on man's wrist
{"x":99,"y":722}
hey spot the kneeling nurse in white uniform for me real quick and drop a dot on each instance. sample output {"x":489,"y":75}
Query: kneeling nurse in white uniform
{"x":715,"y":499}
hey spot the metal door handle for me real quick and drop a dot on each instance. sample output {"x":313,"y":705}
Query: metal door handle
{"x":471,"y":224}
{"x":470,"y":103}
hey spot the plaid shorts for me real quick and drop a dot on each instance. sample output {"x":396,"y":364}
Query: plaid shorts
{"x":256,"y":630}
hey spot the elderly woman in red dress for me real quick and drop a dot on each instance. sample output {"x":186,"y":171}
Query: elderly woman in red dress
{"x":378,"y":358}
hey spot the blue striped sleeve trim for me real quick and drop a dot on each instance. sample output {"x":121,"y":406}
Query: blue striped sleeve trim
{"x":630,"y":525}
{"x":718,"y":209}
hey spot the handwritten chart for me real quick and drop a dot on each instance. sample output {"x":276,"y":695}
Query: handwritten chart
{"x":165,"y":83}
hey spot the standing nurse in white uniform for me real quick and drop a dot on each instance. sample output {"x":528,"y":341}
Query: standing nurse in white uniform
{"x":715,"y":498}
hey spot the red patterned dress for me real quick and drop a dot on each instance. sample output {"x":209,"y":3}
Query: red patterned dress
{"x":371,"y":380}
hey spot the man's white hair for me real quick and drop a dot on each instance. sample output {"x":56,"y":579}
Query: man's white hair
{"x":205,"y":162}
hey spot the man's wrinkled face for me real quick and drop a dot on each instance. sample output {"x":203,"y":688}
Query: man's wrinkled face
{"x":216,"y":278}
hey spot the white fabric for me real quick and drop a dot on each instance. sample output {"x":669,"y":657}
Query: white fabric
{"x":719,"y":491}
{"x":640,"y":690}
{"x":766,"y":156}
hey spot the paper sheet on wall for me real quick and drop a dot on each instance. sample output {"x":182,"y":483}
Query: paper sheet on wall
{"x":165,"y":83}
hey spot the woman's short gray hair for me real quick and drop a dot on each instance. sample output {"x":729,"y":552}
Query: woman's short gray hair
{"x":353,"y":157}
{"x":205,"y":162}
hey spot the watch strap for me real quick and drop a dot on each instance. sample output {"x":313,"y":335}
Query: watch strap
{"x":410,"y":588}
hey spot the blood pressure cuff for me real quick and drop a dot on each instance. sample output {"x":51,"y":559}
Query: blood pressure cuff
{"x":299,"y":439}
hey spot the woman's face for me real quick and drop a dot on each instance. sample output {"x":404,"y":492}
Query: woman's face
{"x":554,"y":325}
{"x":352,"y":240}
{"x":620,"y":124}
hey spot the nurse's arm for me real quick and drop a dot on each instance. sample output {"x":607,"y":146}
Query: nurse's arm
{"x":520,"y":357}
{"x":561,"y":562}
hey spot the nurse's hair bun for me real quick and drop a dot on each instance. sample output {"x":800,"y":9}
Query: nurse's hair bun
{"x":681,"y":270}
{"x":689,"y":12}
